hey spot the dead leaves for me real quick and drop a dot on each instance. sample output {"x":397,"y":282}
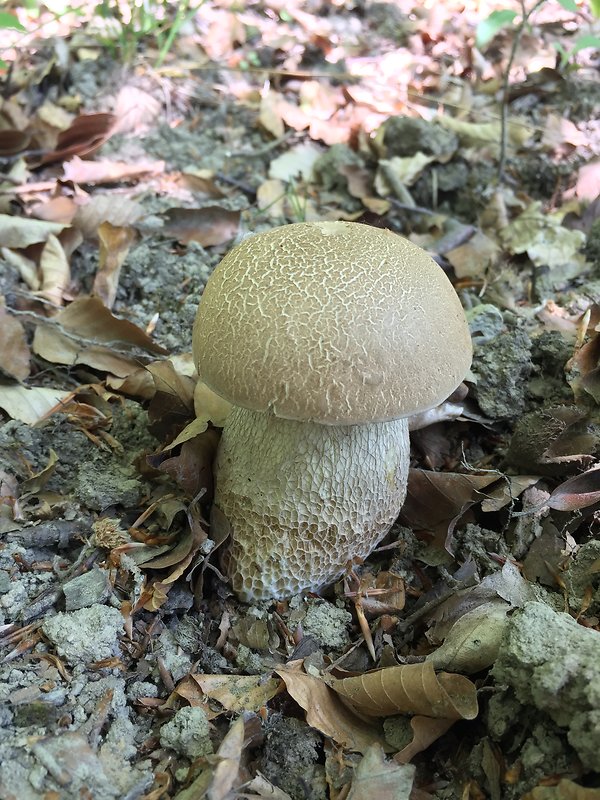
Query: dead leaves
{"x":209,"y":226}
{"x":410,"y":689}
{"x":87,"y":333}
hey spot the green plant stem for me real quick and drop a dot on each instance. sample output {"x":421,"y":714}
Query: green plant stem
{"x":525,"y":17}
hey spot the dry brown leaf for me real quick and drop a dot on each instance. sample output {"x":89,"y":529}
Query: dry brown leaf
{"x":138,"y":384}
{"x":576,"y":493}
{"x":473,"y":642}
{"x":426,"y":730}
{"x":326,"y":713}
{"x":434,"y":499}
{"x":564,"y":790}
{"x":20,"y":232}
{"x":229,"y":754}
{"x":209,"y":406}
{"x":58,"y":209}
{"x":116,"y":209}
{"x":13,"y":142}
{"x":191,"y":469}
{"x":269,"y":117}
{"x":239,"y":692}
{"x":30,"y":404}
{"x":210,"y":225}
{"x":588,"y":181}
{"x":374,"y":777}
{"x":410,"y":689}
{"x":201,"y":181}
{"x":85,"y":135}
{"x":87,"y":333}
{"x":114,"y":247}
{"x":26,"y":268}
{"x":55,"y":271}
{"x":134,"y":110}
{"x":36,"y":482}
{"x":14,"y":350}
{"x":94,"y":172}
{"x":262,"y":789}
{"x":472,"y":259}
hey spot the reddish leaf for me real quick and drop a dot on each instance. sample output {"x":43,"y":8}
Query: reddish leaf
{"x":87,"y":133}
{"x":578,"y":492}
{"x":209,"y":226}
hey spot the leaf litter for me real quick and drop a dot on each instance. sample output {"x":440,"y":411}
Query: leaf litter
{"x":107,"y":438}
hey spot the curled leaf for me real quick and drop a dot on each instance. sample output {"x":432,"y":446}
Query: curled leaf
{"x":410,"y":689}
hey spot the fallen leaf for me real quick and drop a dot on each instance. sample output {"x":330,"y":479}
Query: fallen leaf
{"x":209,"y":406}
{"x":55,"y":271}
{"x":14,"y":350}
{"x":473,"y":642}
{"x":94,"y":172}
{"x":239,"y":692}
{"x":375,"y":777}
{"x":13,"y":142}
{"x":36,"y":482}
{"x":543,"y":237}
{"x":588,"y":181}
{"x":409,"y":689}
{"x":426,"y":730}
{"x":116,"y":209}
{"x":114,"y":247}
{"x":20,"y":232}
{"x":58,"y":209}
{"x":576,"y":493}
{"x":135,"y":110}
{"x":326,"y":713}
{"x":229,"y":755}
{"x":472,"y":259}
{"x":564,"y":790}
{"x":30,"y":404}
{"x":87,"y":333}
{"x":211,"y":225}
{"x":84,"y":136}
{"x":298,"y":161}
{"x":269,"y":117}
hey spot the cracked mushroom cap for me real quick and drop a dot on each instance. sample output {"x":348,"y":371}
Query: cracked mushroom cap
{"x":334,"y":322}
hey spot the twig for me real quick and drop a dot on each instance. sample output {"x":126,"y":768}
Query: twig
{"x":525,"y":17}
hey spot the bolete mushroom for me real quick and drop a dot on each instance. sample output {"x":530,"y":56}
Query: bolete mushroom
{"x":325,"y":336}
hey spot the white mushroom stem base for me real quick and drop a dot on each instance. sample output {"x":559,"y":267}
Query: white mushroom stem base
{"x":302,"y":500}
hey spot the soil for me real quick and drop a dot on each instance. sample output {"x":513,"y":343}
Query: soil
{"x":96,"y":695}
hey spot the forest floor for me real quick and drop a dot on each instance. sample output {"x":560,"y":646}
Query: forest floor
{"x":462,"y":659}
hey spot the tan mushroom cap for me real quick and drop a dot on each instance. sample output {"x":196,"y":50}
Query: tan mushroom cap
{"x":336,"y":322}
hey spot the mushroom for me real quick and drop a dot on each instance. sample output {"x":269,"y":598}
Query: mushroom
{"x":325,"y":337}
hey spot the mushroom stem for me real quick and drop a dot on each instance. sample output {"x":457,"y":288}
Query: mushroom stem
{"x":302,"y":500}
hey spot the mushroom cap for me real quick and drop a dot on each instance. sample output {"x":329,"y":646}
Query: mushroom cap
{"x":334,"y":322}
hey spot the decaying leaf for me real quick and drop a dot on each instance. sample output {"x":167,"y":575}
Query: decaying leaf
{"x":209,"y":406}
{"x":114,"y":247}
{"x":297,"y":162}
{"x":409,"y":689}
{"x":543,"y":237}
{"x":564,"y":790}
{"x":116,"y":209}
{"x":375,"y":777}
{"x":55,"y":271}
{"x":474,"y":640}
{"x":95,"y":172}
{"x":210,"y":225}
{"x":87,"y":333}
{"x":434,"y":499}
{"x":326,"y":713}
{"x":84,"y":136}
{"x":14,"y":350}
{"x":20,"y":232}
{"x":426,"y":730}
{"x":239,"y":692}
{"x":30,"y":404}
{"x":578,"y":492}
{"x":36,"y":482}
